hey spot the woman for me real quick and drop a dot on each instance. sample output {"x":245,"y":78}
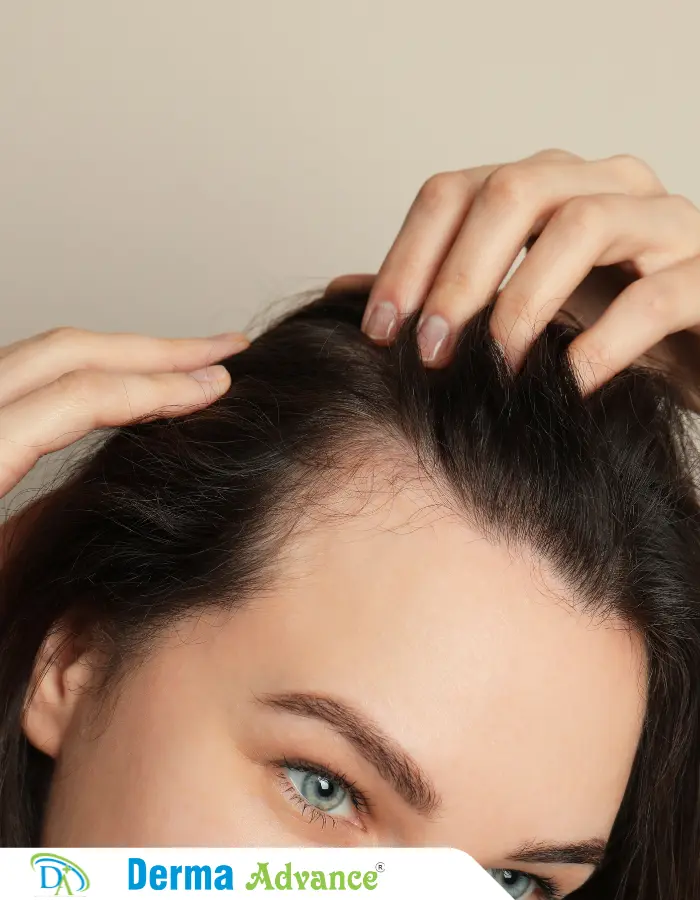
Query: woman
{"x":433,"y":584}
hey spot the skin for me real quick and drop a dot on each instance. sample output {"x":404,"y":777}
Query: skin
{"x":521,"y":714}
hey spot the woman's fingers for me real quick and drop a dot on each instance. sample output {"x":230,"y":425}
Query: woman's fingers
{"x":644,"y":313}
{"x":466,"y":229}
{"x":587,"y":231}
{"x":60,"y":413}
{"x":514,"y":202}
{"x":31,"y":363}
{"x":425,"y":239}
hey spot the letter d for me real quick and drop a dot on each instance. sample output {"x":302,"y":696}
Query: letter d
{"x":137,"y":873}
{"x":59,"y":876}
{"x":283,"y":879}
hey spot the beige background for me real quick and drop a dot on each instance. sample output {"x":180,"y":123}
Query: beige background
{"x":173,"y":166}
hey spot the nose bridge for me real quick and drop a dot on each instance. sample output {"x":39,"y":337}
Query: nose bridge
{"x":453,"y":828}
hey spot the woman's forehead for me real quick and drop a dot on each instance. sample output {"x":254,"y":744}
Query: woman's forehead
{"x":428,"y":589}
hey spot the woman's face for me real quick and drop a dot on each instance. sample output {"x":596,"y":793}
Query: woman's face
{"x":402,"y":682}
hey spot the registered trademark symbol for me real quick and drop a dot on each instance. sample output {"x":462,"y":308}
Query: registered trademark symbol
{"x":379,"y":867}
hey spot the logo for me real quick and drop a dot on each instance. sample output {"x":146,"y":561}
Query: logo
{"x":59,"y":876}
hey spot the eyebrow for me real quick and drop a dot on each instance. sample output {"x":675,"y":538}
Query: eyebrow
{"x":392,"y":762}
{"x":580,"y":853}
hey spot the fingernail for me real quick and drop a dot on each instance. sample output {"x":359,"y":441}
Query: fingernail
{"x":210,"y":375}
{"x":382,"y":321}
{"x":433,"y":337}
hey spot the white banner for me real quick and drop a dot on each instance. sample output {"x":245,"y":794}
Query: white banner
{"x":116,"y":874}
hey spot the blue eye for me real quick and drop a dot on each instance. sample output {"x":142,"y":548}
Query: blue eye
{"x":321,"y":791}
{"x":517,"y":884}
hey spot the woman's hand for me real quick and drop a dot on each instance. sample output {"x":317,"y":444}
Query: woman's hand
{"x":57,"y":387}
{"x":465,"y":230}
